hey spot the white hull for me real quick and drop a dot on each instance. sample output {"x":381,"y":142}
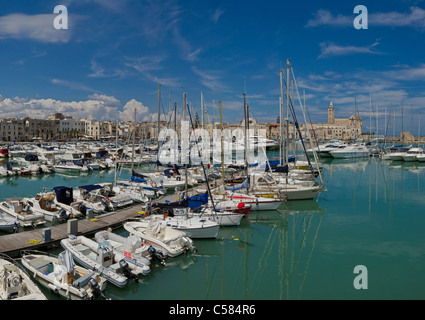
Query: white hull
{"x":15,"y":284}
{"x":44,"y":267}
{"x":84,"y":251}
{"x":194,"y":227}
{"x":65,"y":168}
{"x":300,"y":193}
{"x":349,"y":155}
{"x":26,"y":218}
{"x":167,"y":240}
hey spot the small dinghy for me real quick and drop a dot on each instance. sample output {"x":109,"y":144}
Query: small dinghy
{"x":100,"y":258}
{"x":63,"y":277}
{"x":15,"y":283}
{"x":166,"y":240}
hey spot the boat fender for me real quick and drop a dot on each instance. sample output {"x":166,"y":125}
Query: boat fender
{"x":153,"y":184}
{"x":52,"y":287}
{"x":126,"y":270}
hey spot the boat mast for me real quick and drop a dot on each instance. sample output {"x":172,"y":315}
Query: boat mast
{"x":185,"y":165}
{"x":159,"y":124}
{"x":246,"y":138}
{"x":281,"y":116}
{"x":287,"y":112}
{"x":222,"y":152}
{"x":134,"y":134}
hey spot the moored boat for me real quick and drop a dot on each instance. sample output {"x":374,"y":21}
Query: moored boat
{"x":63,"y":277}
{"x":15,"y":283}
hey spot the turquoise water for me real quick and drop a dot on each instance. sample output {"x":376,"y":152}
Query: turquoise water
{"x":371,"y":214}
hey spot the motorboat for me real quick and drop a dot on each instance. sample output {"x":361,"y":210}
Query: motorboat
{"x":97,"y":202}
{"x":8,"y":223}
{"x":323,"y":150}
{"x":412,"y":154}
{"x":16,"y":207}
{"x":166,"y":240}
{"x":65,"y":199}
{"x":351,"y":151}
{"x":398,"y":156}
{"x":68,"y":168}
{"x":130,"y":248}
{"x":118,"y":198}
{"x":101,"y":259}
{"x":44,"y":204}
{"x":63,"y":277}
{"x":15,"y":283}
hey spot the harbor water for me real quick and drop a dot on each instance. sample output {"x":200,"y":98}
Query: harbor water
{"x":371,"y":214}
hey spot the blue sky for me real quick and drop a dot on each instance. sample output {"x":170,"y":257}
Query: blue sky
{"x":114,"y":53}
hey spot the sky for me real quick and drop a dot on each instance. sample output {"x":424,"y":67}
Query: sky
{"x":114,"y":54}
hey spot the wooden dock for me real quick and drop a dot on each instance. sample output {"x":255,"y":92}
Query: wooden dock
{"x":13,"y":244}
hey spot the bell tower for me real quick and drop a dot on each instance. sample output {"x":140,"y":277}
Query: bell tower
{"x":331,"y":114}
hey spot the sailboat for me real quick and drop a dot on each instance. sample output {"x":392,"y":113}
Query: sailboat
{"x":194,"y":226}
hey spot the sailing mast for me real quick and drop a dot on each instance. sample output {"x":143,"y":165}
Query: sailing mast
{"x":287,"y":113}
{"x":246,"y":138}
{"x":159,"y":124}
{"x":281,"y":117}
{"x":185,"y":165}
{"x":222,"y":151}
{"x":134,"y":134}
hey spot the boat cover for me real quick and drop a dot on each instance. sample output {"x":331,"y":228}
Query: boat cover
{"x":65,"y":259}
{"x":243,"y":185}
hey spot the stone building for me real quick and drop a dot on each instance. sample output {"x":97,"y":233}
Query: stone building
{"x":344,"y":129}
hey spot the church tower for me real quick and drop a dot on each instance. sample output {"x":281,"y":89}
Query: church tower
{"x":331,"y":114}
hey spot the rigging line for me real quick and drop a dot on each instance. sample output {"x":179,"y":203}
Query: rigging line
{"x":307,"y":265}
{"x":308,"y":131}
{"x":202,"y":163}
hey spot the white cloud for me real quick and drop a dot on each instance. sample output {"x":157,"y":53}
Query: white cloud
{"x":72,"y":85}
{"x":324,"y":17}
{"x":210,"y":79}
{"x":128,"y":113}
{"x":216,"y":15}
{"x":329,"y":49}
{"x":414,"y":18}
{"x":108,"y":100}
{"x":98,"y":107}
{"x":37,"y":27}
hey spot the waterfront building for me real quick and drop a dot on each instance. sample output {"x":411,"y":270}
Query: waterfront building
{"x":344,"y":129}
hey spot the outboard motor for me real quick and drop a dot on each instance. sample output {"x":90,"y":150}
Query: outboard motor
{"x":83,"y":209}
{"x":156,"y":255}
{"x":96,"y":289}
{"x":63,"y":214}
{"x":126,"y":270}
